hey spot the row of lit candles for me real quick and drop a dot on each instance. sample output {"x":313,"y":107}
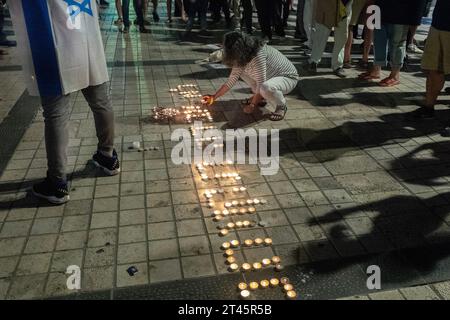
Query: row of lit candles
{"x":229,"y":175}
{"x":288,"y":288}
{"x":234,"y":211}
{"x":248,"y":243}
{"x":237,"y":225}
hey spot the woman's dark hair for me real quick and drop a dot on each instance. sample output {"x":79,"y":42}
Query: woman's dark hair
{"x":239,"y":48}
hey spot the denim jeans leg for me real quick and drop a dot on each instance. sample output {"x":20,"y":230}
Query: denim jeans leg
{"x":397,"y":44}
{"x":56,"y":118}
{"x":380,"y":42}
{"x":126,"y":12}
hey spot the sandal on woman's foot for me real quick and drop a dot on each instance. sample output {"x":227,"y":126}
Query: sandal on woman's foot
{"x":347,"y":65}
{"x":278,"y":114}
{"x":389,"y":82}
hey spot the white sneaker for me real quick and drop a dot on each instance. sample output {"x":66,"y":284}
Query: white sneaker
{"x":412,"y":48}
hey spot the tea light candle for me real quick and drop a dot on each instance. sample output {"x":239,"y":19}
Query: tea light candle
{"x":278,"y":267}
{"x":252,"y":210}
{"x":257,"y":265}
{"x":211,"y":204}
{"x":235,"y":203}
{"x":234,"y":243}
{"x":243,"y":211}
{"x":245,"y":294}
{"x":242,"y":203}
{"x":235,"y":189}
{"x":239,"y":224}
{"x":249,"y":201}
{"x":228,"y":204}
{"x":266,"y":262}
{"x":248,"y":242}
{"x":253,"y":285}
{"x":264,"y":284}
{"x":217,"y":212}
{"x":230,"y":225}
{"x":258,"y":241}
{"x":234,"y":267}
{"x":226,"y":245}
{"x":263,"y":201}
{"x":223,"y":232}
{"x":284,"y":280}
{"x":274,"y":282}
{"x":245,"y":223}
{"x":218,"y":218}
{"x":229,"y":252}
{"x":242,"y":286}
{"x":234,"y":211}
{"x":276,"y":259}
{"x":246,"y":266}
{"x":225,"y":212}
{"x":288,"y":287}
{"x":231,"y":260}
{"x":291,"y":294}
{"x":242,"y":189}
{"x":268,"y":241}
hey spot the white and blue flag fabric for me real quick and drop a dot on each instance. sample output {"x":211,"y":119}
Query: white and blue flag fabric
{"x":60,"y":45}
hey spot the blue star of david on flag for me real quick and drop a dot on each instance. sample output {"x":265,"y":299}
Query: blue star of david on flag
{"x":76,"y":7}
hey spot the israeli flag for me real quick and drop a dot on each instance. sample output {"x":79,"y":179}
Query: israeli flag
{"x":60,"y":44}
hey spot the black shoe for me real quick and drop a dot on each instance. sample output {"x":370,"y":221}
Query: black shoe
{"x":147,"y":22}
{"x":204,"y":32}
{"x":340,"y":72}
{"x":143,"y":29}
{"x":300,"y":38}
{"x":125,"y":30}
{"x":155,"y":16}
{"x":104,"y":3}
{"x":110,"y":165}
{"x":447,"y":90}
{"x":421,"y":113}
{"x":310,"y":68}
{"x":53,"y":192}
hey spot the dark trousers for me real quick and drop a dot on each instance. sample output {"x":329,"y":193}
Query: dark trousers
{"x":200,"y":8}
{"x":269,"y":16}
{"x":138,"y":8}
{"x":220,"y":5}
{"x":2,"y":21}
{"x":247,"y":14}
{"x":300,"y":25}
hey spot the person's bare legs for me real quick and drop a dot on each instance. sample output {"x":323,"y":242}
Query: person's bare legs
{"x":435,"y":84}
{"x":119,"y":9}
{"x":368,"y":39}
{"x":348,"y":46}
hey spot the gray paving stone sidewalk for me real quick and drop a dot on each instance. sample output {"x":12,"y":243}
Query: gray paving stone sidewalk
{"x":354,"y":178}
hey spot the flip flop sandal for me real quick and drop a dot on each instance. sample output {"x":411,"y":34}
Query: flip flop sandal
{"x":276,"y":116}
{"x":389,"y":82}
{"x":347,"y":65}
{"x":249,"y":108}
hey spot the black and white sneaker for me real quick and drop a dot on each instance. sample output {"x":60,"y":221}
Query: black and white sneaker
{"x":110,"y":165}
{"x":53,"y":192}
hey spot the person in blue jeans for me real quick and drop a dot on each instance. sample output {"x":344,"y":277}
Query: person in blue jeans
{"x":396,"y":19}
{"x":194,"y":8}
{"x":139,"y":9}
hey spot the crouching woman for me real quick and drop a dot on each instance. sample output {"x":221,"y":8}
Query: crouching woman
{"x":266,"y":70}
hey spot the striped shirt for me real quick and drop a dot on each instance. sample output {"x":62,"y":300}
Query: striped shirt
{"x":268,"y":63}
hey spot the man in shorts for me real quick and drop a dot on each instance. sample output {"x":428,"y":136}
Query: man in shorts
{"x":436,"y":58}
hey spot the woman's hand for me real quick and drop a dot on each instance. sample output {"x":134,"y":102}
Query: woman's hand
{"x":208,"y":99}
